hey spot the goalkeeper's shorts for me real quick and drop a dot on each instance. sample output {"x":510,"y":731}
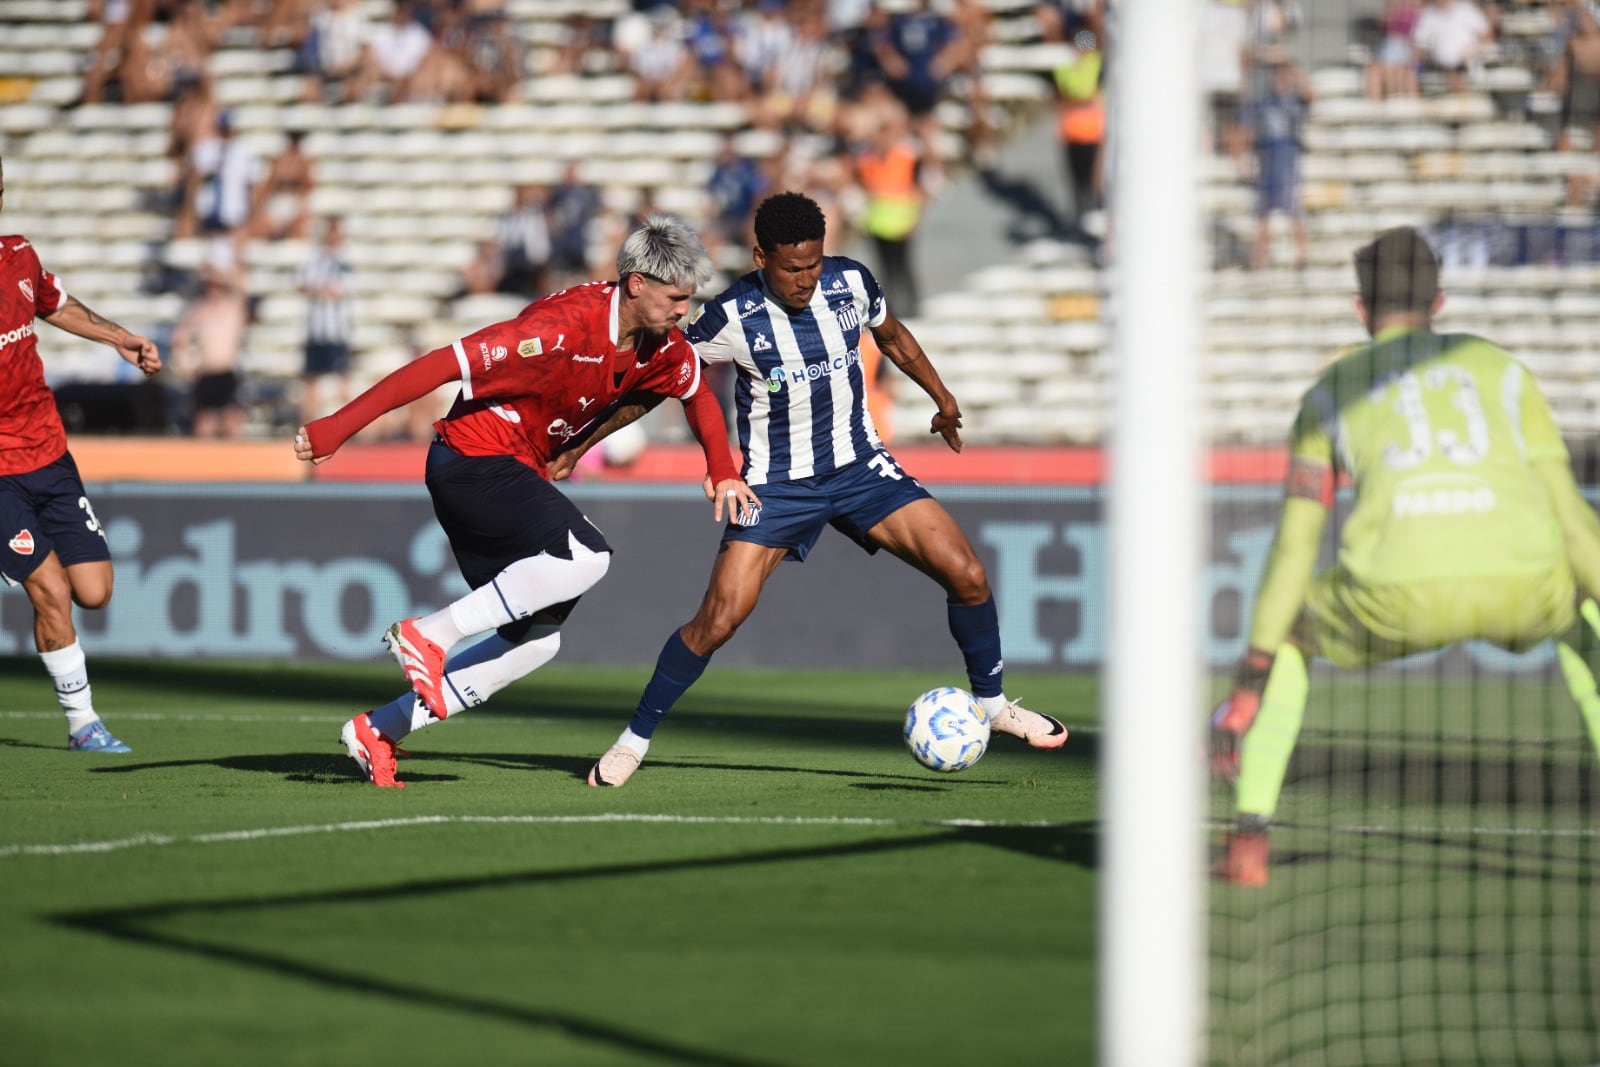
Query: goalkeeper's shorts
{"x":1353,"y":625}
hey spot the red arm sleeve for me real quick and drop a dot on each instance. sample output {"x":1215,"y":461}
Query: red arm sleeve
{"x":711,"y":430}
{"x":416,"y":379}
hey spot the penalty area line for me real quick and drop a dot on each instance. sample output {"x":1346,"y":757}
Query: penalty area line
{"x":263,"y":833}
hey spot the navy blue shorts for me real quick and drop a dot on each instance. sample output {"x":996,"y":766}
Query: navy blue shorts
{"x":327,"y":357}
{"x":43,"y":511}
{"x":496,"y":510}
{"x":851,"y":499}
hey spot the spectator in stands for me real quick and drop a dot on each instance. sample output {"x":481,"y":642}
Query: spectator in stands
{"x":222,"y":172}
{"x":1575,"y":78}
{"x":207,"y":342}
{"x":570,"y":210}
{"x":492,"y":55}
{"x":798,"y":91}
{"x":393,"y":56}
{"x":523,"y":234}
{"x":325,"y":283}
{"x":585,"y":47}
{"x":661,"y":65}
{"x":334,"y":51}
{"x":918,"y":54}
{"x":1081,"y":123}
{"x":709,"y":34}
{"x":762,"y":37}
{"x":194,"y":118}
{"x":119,"y":21}
{"x":1393,"y":69}
{"x":1224,"y":41}
{"x":1061,"y":20}
{"x":890,"y":172}
{"x":482,"y":273}
{"x":974,"y":32}
{"x":1452,"y":36}
{"x":1276,"y":119}
{"x":737,"y":185}
{"x":282,"y":200}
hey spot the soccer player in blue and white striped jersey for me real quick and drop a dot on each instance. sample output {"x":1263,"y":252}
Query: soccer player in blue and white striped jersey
{"x":793,"y":329}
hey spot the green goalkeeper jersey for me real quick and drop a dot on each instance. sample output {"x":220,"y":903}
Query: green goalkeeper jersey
{"x":1437,"y":432}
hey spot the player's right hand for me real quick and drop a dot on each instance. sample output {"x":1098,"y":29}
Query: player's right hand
{"x":302,"y":447}
{"x":562,"y":466}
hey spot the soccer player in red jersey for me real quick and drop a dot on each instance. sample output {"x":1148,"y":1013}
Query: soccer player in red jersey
{"x":55,"y":548}
{"x":529,"y":386}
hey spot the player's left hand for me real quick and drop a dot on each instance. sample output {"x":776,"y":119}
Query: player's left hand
{"x":562,"y":466}
{"x":141,"y":352}
{"x":947,"y":424}
{"x":740,"y":500}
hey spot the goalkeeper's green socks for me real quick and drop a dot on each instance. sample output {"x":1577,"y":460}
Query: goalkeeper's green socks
{"x":1264,"y":753}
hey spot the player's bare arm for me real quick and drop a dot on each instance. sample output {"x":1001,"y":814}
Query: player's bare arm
{"x":905,"y":352}
{"x":630,"y":409}
{"x":74,"y":317}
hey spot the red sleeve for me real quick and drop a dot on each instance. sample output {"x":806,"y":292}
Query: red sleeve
{"x":412,"y":381}
{"x":711,"y":430}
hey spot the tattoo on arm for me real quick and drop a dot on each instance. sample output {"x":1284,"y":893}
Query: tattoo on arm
{"x":91,"y":318}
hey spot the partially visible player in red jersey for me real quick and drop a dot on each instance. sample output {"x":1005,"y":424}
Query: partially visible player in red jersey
{"x":55,"y":548}
{"x":529,"y":386}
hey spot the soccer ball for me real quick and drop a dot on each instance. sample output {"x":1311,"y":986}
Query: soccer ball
{"x":946,"y":729}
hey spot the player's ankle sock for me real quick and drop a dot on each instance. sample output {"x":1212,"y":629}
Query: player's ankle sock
{"x":629,"y":739}
{"x":976,"y":628}
{"x":517,"y":592}
{"x":67,"y":669}
{"x":677,"y":668}
{"x":992,"y":705}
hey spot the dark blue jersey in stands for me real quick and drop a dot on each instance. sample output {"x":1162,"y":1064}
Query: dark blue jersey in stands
{"x":801,"y":398}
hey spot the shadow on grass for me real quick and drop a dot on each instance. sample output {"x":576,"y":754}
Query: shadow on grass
{"x":330,"y":769}
{"x":139,"y":925}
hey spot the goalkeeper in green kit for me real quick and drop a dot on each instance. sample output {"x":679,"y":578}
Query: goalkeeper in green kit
{"x":1466,"y":524}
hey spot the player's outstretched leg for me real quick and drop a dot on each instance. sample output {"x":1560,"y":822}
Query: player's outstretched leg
{"x":976,"y":628}
{"x":1263,"y":761}
{"x":471,"y":676}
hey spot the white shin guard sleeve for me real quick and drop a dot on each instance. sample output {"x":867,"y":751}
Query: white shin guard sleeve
{"x":529,"y":585}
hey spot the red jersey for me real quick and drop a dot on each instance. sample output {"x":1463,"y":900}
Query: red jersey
{"x":530,"y":384}
{"x":31,"y":434}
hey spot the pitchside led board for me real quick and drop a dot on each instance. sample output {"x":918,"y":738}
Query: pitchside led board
{"x":318,"y":572}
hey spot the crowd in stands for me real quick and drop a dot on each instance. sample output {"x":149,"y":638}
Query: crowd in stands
{"x":847,"y":90}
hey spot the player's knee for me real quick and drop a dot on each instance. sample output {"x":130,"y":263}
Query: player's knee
{"x":967,"y":581}
{"x":93,"y":597}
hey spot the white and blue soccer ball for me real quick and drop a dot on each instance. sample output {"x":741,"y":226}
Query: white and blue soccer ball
{"x":947,"y":729}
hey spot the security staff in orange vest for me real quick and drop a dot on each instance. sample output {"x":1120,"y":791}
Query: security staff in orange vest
{"x":888,"y":169}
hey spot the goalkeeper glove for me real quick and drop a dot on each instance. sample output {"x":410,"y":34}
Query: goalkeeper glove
{"x":1233,"y":717}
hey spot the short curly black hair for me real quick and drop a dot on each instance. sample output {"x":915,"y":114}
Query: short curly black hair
{"x":788,"y":219}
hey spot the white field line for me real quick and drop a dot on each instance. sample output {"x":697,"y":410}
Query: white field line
{"x":78,"y":848}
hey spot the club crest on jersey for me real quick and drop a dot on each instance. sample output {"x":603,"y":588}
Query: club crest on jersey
{"x":22,"y":544}
{"x":27,"y":288}
{"x":533,"y":346}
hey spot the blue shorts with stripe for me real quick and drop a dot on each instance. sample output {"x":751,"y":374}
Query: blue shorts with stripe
{"x":496,"y":510}
{"x":44,"y":511}
{"x":852,"y":499}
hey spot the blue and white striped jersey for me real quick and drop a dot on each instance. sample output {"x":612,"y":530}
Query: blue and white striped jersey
{"x":800,"y":399}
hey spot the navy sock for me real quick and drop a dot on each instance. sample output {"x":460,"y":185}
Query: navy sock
{"x":976,"y":628}
{"x":677,"y":668}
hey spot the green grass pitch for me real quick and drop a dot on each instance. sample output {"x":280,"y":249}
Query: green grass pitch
{"x":779,"y":885}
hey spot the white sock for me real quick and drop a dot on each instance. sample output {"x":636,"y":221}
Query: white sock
{"x":471,"y":676}
{"x":67,"y":671}
{"x":992,"y":706}
{"x":629,"y":739}
{"x":517,"y":592}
